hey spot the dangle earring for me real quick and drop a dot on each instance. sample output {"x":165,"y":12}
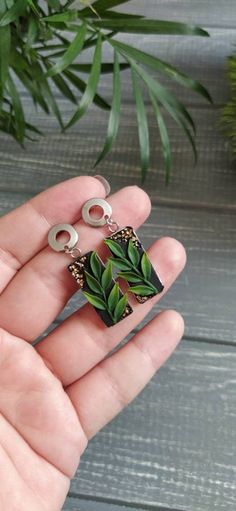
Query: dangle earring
{"x":93,"y":276}
{"x":128,"y":254}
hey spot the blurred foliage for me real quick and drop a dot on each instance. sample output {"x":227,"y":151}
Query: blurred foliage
{"x":40,"y":45}
{"x":228,"y":118}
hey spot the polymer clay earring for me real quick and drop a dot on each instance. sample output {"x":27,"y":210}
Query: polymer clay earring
{"x":128,"y":253}
{"x":93,"y":276}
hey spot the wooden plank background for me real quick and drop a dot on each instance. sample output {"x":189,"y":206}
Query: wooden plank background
{"x":174,"y":448}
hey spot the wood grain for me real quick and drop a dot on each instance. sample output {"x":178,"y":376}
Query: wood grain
{"x":175,"y":446}
{"x":78,"y":504}
{"x":59,"y":156}
{"x":206,"y":13}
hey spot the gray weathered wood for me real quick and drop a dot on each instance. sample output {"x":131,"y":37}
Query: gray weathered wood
{"x":78,"y":504}
{"x":207,"y":13}
{"x":60,"y":156}
{"x":175,"y":446}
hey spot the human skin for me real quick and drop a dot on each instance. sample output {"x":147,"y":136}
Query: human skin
{"x":56,"y":396}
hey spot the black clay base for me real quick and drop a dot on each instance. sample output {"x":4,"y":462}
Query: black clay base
{"x":133,"y":263}
{"x":100,"y":289}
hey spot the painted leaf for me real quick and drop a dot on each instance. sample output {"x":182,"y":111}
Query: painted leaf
{"x":95,"y":301}
{"x":133,"y":254}
{"x":120,"y":308}
{"x":121,"y":264}
{"x":146,"y":266}
{"x":95,"y":266}
{"x":107,"y":276}
{"x":115,"y":248}
{"x":129,"y":276}
{"x":142,"y":290}
{"x":93,"y":283}
{"x":113,"y":297}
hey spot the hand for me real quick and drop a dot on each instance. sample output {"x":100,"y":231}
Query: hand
{"x":55,"y":397}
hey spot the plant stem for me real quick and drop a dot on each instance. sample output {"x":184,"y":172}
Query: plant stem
{"x":145,"y":281}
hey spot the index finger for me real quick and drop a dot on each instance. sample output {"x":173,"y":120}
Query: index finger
{"x":23,"y":231}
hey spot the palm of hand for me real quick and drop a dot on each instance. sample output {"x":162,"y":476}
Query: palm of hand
{"x":57,"y":396}
{"x":41,"y":437}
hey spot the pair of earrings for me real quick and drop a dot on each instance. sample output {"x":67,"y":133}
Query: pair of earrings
{"x":96,"y":278}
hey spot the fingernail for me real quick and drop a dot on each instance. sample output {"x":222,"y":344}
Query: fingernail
{"x":105,"y":184}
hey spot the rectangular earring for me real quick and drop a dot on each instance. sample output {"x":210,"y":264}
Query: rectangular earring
{"x":133,"y":263}
{"x":100,"y":289}
{"x":128,"y":253}
{"x":93,"y":276}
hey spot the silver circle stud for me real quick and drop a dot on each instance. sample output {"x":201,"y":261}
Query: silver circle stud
{"x":57,"y":245}
{"x":106,"y":212}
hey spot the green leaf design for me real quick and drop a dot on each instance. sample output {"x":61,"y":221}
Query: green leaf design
{"x":143,"y":131}
{"x":121,"y":264}
{"x":95,"y":265}
{"x":92,"y":84}
{"x":95,"y":301}
{"x":120,"y":308}
{"x":71,"y":53}
{"x":146,"y":266}
{"x":113,"y":297}
{"x":93,"y":283}
{"x":114,"y":118}
{"x":142,"y":290}
{"x":114,"y":247}
{"x":107,"y":276}
{"x":129,"y":276}
{"x":133,"y":254}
